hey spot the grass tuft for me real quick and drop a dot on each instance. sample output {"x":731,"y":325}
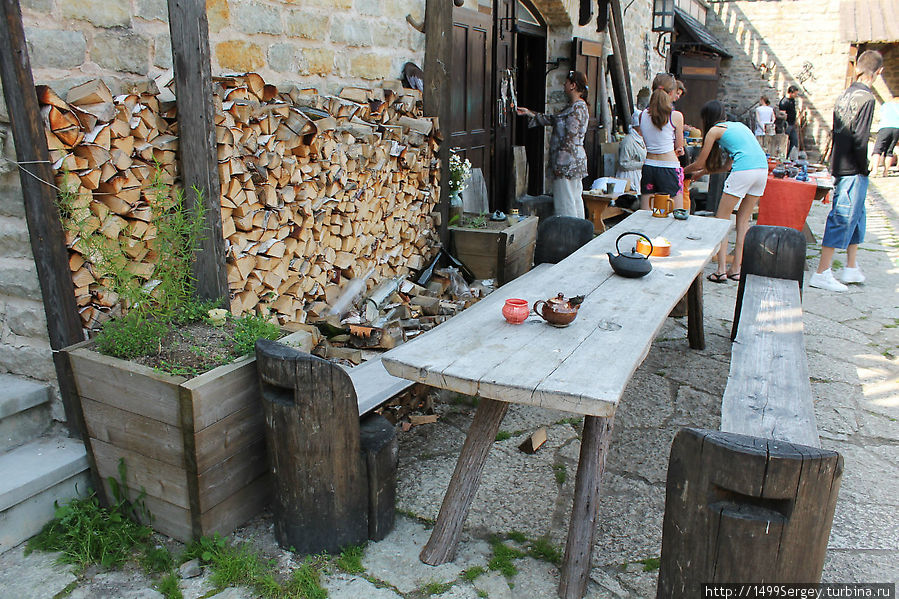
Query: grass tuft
{"x":350,"y":559}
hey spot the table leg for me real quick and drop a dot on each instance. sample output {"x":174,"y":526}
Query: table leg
{"x":582,"y":528}
{"x":441,"y":547}
{"x":695,"y":327}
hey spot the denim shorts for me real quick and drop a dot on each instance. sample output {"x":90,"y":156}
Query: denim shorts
{"x":846,"y":222}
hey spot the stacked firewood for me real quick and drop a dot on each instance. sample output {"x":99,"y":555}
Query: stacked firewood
{"x":109,"y":154}
{"x":315,"y":190}
{"x":318,"y":190}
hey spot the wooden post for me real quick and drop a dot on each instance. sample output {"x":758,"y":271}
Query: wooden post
{"x":441,"y":547}
{"x":585,"y":513}
{"x":617,"y":19}
{"x":745,"y":509}
{"x":45,"y":229}
{"x":769,"y":251}
{"x":436,"y":96}
{"x":695,"y":326}
{"x":196,"y":138}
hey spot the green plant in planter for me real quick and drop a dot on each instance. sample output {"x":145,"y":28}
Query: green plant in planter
{"x":160,"y":308}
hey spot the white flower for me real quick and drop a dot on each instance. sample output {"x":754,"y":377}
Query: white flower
{"x":459,"y":171}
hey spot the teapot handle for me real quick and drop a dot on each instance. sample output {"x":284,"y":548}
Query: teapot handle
{"x":648,"y":240}
{"x":535,"y":307}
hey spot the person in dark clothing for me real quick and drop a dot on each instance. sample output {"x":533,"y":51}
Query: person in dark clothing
{"x":788,"y":105}
{"x":845,"y":226}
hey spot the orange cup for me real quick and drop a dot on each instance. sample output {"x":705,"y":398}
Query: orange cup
{"x":662,"y":205}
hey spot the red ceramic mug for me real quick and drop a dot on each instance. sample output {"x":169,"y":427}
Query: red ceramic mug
{"x":516,"y":311}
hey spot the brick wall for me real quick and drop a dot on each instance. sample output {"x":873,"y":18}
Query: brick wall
{"x":24,"y":342}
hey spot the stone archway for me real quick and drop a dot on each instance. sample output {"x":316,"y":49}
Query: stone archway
{"x":554,"y":12}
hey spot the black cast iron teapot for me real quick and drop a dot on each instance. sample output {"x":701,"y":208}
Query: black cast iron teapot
{"x":631,"y":264}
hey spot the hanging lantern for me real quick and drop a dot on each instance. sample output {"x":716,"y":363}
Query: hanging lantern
{"x":663,"y":15}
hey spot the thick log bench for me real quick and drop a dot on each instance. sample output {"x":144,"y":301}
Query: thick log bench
{"x":334,"y":479}
{"x":755,"y":501}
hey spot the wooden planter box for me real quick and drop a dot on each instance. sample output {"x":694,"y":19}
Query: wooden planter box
{"x":500,"y":251}
{"x":196,"y":446}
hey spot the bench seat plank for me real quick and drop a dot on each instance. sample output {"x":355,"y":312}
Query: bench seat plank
{"x":585,"y":367}
{"x":768,"y":391}
{"x":374,"y":385}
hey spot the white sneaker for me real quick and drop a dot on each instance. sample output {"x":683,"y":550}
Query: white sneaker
{"x":852,"y":275}
{"x":825,"y":280}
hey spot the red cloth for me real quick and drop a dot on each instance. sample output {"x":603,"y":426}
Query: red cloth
{"x":786,"y":202}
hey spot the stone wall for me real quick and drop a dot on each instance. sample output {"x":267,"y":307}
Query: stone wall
{"x":778,"y":44}
{"x":326,"y":44}
{"x":642,"y":58}
{"x":24,"y":342}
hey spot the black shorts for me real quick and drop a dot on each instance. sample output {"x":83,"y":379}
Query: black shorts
{"x":661,"y":179}
{"x":886,"y":141}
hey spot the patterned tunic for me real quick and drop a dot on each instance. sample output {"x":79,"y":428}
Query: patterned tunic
{"x":567,"y":157}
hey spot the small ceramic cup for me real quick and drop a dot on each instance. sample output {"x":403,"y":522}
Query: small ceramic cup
{"x":516,"y":311}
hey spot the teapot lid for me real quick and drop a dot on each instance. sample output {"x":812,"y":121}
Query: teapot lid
{"x":559,"y":299}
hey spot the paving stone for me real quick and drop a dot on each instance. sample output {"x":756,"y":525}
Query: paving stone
{"x":647,"y":400}
{"x":535,"y":578}
{"x":343,"y":586}
{"x":35,"y":576}
{"x":643,"y":453}
{"x":116,"y":584}
{"x":235,"y":593}
{"x":494,"y":584}
{"x":864,"y":471}
{"x":630,"y":521}
{"x":855,"y":566}
{"x":395,"y":559}
{"x":865,"y":526}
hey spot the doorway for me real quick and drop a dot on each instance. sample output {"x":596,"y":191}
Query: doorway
{"x":495,"y":40}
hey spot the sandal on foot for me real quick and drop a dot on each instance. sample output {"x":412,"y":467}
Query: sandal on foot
{"x":718,"y":277}
{"x":680,"y":213}
{"x":734,"y":276}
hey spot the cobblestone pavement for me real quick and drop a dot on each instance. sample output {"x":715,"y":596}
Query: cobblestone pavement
{"x":852,"y":340}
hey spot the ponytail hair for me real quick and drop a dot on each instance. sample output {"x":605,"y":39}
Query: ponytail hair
{"x":580,"y":83}
{"x":660,"y":103}
{"x":711,"y":114}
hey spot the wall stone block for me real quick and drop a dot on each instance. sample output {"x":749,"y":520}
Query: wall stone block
{"x":351,"y":30}
{"x":37,"y":5}
{"x":162,"y":55}
{"x":306,"y":24}
{"x":330,"y":5}
{"x":55,"y":49}
{"x":253,"y":17}
{"x":370,"y":66}
{"x":121,"y":51}
{"x":370,"y":8}
{"x":283,"y":57}
{"x":14,"y":239}
{"x":28,"y":357}
{"x":240,"y":56}
{"x":218,"y":15}
{"x":26,"y":318}
{"x":152,"y":10}
{"x":101,"y":13}
{"x":18,"y":278}
{"x":318,"y":61}
{"x":11,"y":203}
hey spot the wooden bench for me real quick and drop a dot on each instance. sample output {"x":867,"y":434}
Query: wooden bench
{"x":478,"y":353}
{"x":755,"y":501}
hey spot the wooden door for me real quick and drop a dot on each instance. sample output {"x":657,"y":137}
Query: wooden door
{"x":699,"y":75}
{"x":471,"y":88}
{"x":588,"y":60}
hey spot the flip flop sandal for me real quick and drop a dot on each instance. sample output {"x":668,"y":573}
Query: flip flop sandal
{"x":734,"y":276}
{"x":680,"y":213}
{"x":718,"y":277}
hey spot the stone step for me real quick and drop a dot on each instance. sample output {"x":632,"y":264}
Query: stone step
{"x":32,"y":477}
{"x":24,"y":410}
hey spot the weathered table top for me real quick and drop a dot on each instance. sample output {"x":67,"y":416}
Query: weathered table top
{"x":584,"y":367}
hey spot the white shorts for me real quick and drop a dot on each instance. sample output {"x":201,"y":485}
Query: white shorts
{"x":743,"y":183}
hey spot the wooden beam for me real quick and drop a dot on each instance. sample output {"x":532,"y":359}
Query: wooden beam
{"x":436,"y":97}
{"x":45,"y":229}
{"x":620,"y":45}
{"x":199,"y":161}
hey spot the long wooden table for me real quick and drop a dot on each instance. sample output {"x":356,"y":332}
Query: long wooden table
{"x":583,"y":368}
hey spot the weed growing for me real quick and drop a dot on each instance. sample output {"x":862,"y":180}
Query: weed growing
{"x":561,"y":473}
{"x":502,"y":556}
{"x":350,"y":559}
{"x":472,"y":574}
{"x":503,"y":435}
{"x":436,"y":588}
{"x":168,"y":587}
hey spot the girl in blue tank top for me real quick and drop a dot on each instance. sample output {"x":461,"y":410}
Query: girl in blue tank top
{"x":728,"y":145}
